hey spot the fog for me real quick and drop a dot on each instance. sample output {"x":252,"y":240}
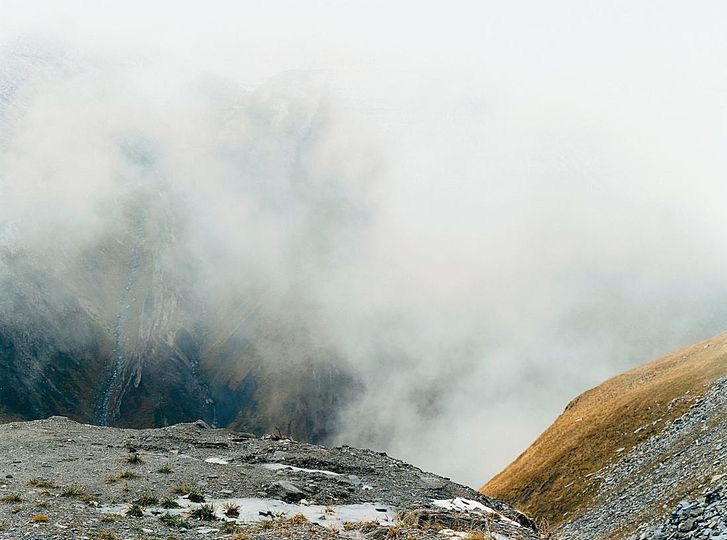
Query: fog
{"x":482,"y":209}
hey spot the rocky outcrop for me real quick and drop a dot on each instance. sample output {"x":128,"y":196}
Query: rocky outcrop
{"x":702,"y":518}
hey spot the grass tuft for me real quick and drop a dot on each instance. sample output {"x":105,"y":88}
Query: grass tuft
{"x":135,"y":511}
{"x":134,"y":459}
{"x":231,"y":510}
{"x":204,"y":512}
{"x":71,"y":492}
{"x":175,"y":522}
{"x":41,"y":483}
{"x":169,"y":503}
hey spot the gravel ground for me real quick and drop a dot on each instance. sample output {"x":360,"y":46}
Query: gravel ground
{"x":61,"y":479}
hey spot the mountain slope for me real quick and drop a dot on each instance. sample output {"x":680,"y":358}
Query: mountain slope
{"x":669,"y":486}
{"x":554,"y":479}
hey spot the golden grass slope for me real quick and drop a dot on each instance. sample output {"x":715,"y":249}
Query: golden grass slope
{"x":549,"y":481}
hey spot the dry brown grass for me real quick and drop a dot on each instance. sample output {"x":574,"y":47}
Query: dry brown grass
{"x":551,"y":480}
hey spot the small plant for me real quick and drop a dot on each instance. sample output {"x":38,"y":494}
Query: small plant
{"x":195,"y":495}
{"x":41,"y":483}
{"x":124,"y":475}
{"x":164,"y":470}
{"x":109,"y":518}
{"x":231,"y":510}
{"x":106,"y":535}
{"x":125,"y":487}
{"x":135,"y":511}
{"x":296,"y":519}
{"x":11,"y":498}
{"x":190,"y":491}
{"x":71,"y":492}
{"x":146,"y":500}
{"x":182,"y":489}
{"x":16,"y":509}
{"x":204,"y":512}
{"x":40,"y":518}
{"x":175,"y":522}
{"x":134,"y":459}
{"x":169,"y":503}
{"x":369,"y":525}
{"x":41,"y":504}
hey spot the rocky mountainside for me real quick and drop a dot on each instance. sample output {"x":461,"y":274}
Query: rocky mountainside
{"x":145,"y":350}
{"x":641,"y":456}
{"x":141,"y":288}
{"x":62,"y":479}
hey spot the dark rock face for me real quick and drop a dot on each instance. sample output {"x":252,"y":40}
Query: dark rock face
{"x":120,"y":340}
{"x":58,"y":357}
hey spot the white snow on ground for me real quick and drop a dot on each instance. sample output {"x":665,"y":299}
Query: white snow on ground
{"x":461,"y":504}
{"x":255,"y":509}
{"x":218,"y":461}
{"x":280,"y":466}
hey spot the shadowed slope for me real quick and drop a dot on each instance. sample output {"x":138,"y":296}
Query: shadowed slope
{"x":550,"y":479}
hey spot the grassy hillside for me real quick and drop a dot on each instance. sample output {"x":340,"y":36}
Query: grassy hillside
{"x":549,"y":481}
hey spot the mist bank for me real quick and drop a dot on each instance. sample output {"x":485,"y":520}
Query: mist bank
{"x":426,"y":265}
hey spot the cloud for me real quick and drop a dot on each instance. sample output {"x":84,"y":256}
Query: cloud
{"x":475,"y":241}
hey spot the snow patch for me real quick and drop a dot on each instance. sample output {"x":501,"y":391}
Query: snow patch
{"x":216,"y":460}
{"x":460,"y":504}
{"x":283,"y":466}
{"x":258,"y":509}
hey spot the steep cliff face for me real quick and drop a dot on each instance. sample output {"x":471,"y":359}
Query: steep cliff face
{"x":63,"y":359}
{"x":120,"y":339}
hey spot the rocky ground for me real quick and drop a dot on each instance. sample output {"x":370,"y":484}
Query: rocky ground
{"x":61,"y":479}
{"x":670,"y":486}
{"x":704,"y":517}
